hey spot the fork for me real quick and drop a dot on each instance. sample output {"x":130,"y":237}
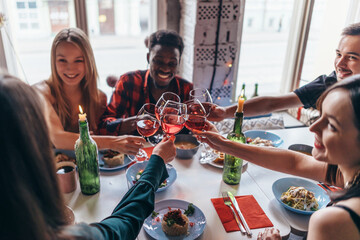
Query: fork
{"x":228,"y":203}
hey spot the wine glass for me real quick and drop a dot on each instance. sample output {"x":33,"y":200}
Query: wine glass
{"x":196,"y":115}
{"x":203,"y":95}
{"x":173,"y":117}
{"x":159,"y":105}
{"x":146,"y":124}
{"x":162,"y":101}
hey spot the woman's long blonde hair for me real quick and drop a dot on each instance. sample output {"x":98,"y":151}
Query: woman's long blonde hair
{"x":90,"y":95}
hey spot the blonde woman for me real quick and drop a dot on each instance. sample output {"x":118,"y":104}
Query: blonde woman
{"x":73,"y":82}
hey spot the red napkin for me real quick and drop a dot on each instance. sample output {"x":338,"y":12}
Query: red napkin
{"x":251,"y":210}
{"x":332,"y":188}
{"x":148,"y":151}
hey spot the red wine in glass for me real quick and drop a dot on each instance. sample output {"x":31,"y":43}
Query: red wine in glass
{"x":196,"y":122}
{"x":207,"y":107}
{"x":167,"y":110}
{"x":203,"y":95}
{"x":147,"y":127}
{"x":157,"y":113}
{"x":162,"y":101}
{"x":172,"y":124}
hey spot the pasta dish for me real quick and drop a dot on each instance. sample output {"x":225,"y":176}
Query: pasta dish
{"x":260,"y":142}
{"x":300,"y":198}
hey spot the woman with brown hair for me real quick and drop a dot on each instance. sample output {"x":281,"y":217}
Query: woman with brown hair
{"x":335,"y":159}
{"x":73,"y":82}
{"x":31,"y":204}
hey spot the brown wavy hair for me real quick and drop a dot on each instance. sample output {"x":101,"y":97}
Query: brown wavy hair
{"x":90,"y":93}
{"x":333,"y":174}
{"x":31,"y":204}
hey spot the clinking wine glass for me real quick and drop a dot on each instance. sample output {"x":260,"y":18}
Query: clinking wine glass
{"x":196,"y":115}
{"x":166,"y":96}
{"x":158,"y":107}
{"x":203,"y":95}
{"x":173,"y":117}
{"x":146,"y":124}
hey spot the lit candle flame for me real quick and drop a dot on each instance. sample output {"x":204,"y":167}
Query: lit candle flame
{"x":242,"y":93}
{"x":241,"y":101}
{"x":82,"y":116}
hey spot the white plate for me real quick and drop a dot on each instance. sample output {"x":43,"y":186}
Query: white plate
{"x":102,"y":165}
{"x":218,"y":165}
{"x":153,"y":227}
{"x":135,"y":168}
{"x":106,"y":168}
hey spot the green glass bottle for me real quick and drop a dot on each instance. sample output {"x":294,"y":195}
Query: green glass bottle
{"x":243,"y":91}
{"x":255,"y":91}
{"x":86,"y":152}
{"x":233,"y":165}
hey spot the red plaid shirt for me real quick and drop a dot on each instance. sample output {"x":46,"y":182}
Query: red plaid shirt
{"x":131,"y":93}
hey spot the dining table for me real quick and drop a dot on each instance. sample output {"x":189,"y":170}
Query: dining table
{"x":199,"y":183}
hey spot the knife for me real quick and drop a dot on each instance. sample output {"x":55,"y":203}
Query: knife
{"x":233,"y":200}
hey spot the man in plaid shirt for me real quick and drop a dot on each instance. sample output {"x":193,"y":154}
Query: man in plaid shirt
{"x":134,"y":89}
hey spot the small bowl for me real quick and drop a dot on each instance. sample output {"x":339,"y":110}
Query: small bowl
{"x":302,"y":148}
{"x":186,"y":153}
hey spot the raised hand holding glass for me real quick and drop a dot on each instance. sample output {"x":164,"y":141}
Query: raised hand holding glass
{"x":196,"y":115}
{"x":146,"y":124}
{"x":173,"y":117}
{"x":155,"y":139}
{"x":203,"y":95}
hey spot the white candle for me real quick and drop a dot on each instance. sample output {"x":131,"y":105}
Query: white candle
{"x":82,"y":116}
{"x":241,"y":102}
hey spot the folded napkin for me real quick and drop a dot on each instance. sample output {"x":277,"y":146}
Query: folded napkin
{"x":148,"y":151}
{"x":251,"y":210}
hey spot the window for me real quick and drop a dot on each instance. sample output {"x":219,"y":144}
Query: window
{"x":263,"y":48}
{"x":250,"y":21}
{"x":33,"y":15}
{"x":116,"y":28}
{"x":32,"y":4}
{"x":23,"y":25}
{"x":266,"y":53}
{"x":328,"y":20}
{"x":23,"y":15}
{"x":35,"y":25}
{"x":271,"y":22}
{"x":20,"y":4}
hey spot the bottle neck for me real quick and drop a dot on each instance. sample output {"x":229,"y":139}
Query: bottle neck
{"x":84,"y":130}
{"x":239,"y":116}
{"x":256,"y":89}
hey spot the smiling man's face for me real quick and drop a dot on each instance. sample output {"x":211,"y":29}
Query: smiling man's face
{"x":164,"y":62}
{"x":347,"y":61}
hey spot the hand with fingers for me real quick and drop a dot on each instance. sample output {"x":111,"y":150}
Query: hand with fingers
{"x":166,"y":149}
{"x":269,"y":234}
{"x":211,"y":136}
{"x":127,"y":144}
{"x":217,"y":113}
